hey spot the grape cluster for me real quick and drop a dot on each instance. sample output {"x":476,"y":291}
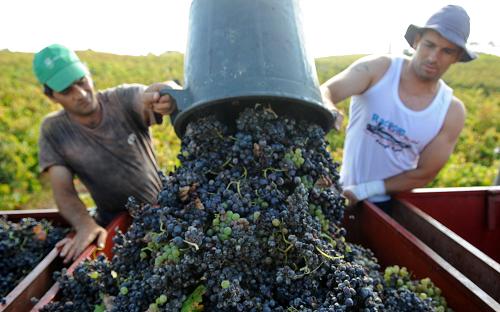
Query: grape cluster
{"x":251,"y":221}
{"x":414,"y":292}
{"x":22,"y":247}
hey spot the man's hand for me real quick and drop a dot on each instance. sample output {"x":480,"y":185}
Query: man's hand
{"x":352,"y":200}
{"x":356,"y":193}
{"x":339,"y":117}
{"x":152,"y":101}
{"x":71,"y":248}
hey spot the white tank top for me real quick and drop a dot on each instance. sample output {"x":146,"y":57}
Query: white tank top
{"x":384,"y":137}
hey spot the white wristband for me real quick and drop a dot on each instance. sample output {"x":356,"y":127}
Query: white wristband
{"x":365,"y":190}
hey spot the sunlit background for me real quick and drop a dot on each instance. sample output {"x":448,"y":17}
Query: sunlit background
{"x":153,"y":26}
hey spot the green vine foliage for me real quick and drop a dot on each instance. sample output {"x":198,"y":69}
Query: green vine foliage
{"x":23,"y":105}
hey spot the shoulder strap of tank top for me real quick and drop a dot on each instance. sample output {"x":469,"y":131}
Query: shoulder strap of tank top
{"x":447,"y":92}
{"x":387,"y":77}
{"x":397,"y":69}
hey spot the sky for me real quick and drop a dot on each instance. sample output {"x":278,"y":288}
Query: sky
{"x":152,"y":26}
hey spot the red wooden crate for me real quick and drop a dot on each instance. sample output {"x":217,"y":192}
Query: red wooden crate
{"x":470,"y":261}
{"x":473,"y":213}
{"x":393,"y":244}
{"x":121,"y":222}
{"x":38,"y":281}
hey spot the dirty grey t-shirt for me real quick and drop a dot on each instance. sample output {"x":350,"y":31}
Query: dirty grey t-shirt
{"x":115,"y":160}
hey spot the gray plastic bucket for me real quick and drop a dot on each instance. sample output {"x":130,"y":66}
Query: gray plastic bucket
{"x":241,"y":52}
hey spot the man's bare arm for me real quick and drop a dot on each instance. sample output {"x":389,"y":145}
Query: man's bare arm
{"x":355,"y":79}
{"x":435,"y":154}
{"x":67,"y":200}
{"x":74,"y":211}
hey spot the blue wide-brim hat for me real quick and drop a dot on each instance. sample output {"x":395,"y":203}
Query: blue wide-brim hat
{"x":451,"y":22}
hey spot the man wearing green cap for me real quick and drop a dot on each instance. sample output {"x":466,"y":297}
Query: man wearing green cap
{"x":404,"y":120}
{"x":103,"y":138}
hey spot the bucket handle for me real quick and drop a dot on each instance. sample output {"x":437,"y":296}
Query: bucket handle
{"x":181,"y":97}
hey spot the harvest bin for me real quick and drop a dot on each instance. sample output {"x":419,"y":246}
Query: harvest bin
{"x":462,"y":225}
{"x":473,"y":213}
{"x":391,"y":243}
{"x":121,"y":222}
{"x":38,"y":281}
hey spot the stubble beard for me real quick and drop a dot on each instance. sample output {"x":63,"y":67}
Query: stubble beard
{"x":421,"y":73}
{"x":92,"y":107}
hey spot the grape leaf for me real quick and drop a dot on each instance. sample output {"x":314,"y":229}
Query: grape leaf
{"x":193,"y":302}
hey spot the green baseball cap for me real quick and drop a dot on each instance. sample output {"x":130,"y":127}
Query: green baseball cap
{"x":58,"y":67}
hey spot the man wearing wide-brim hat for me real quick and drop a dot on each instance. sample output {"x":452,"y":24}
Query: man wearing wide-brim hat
{"x":404,"y":120}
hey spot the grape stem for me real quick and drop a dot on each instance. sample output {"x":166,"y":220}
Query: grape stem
{"x":324,"y":254}
{"x":192,"y":244}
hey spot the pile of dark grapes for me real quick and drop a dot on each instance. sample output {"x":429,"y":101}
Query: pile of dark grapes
{"x":250,"y":221}
{"x":22,"y":246}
